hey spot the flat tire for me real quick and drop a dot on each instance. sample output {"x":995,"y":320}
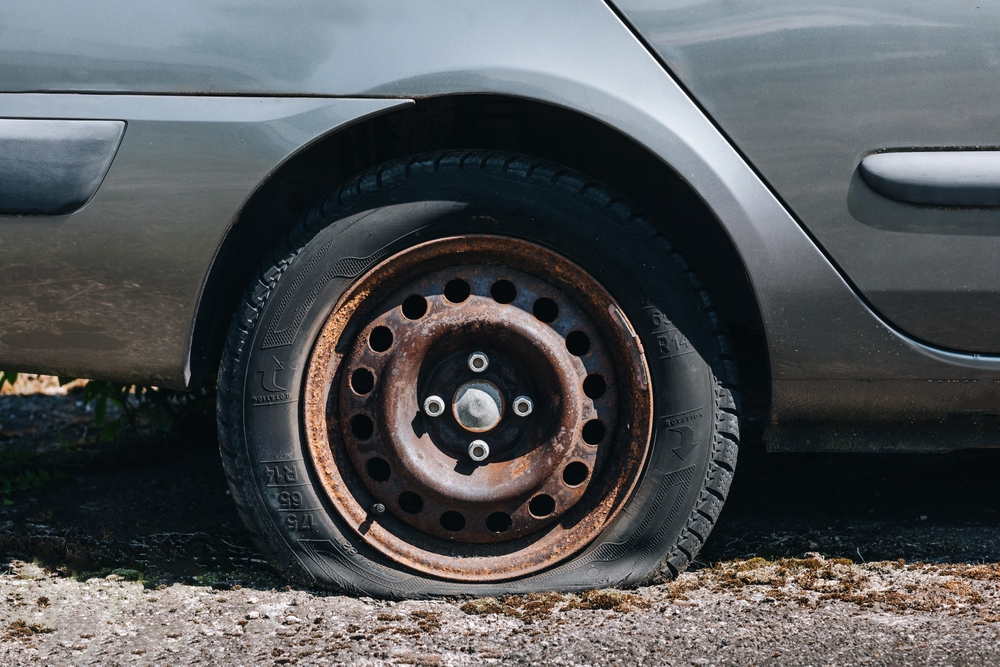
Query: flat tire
{"x":472,"y":373}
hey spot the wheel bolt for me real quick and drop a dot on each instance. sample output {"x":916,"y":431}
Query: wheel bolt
{"x":478,"y":362}
{"x":478,"y":450}
{"x":378,"y":508}
{"x":522,"y":406}
{"x":434,"y":406}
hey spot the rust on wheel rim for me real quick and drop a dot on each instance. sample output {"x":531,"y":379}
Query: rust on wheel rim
{"x":489,"y":395}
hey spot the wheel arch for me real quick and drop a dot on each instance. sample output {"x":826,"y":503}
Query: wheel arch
{"x":492,"y":122}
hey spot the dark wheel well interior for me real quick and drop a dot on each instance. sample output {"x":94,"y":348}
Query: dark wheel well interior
{"x":499,"y":123}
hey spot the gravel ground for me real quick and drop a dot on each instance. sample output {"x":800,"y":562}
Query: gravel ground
{"x":132,"y":553}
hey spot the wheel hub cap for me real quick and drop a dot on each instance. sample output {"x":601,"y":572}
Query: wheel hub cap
{"x":478,"y":406}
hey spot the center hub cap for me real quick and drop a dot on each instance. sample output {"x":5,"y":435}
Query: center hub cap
{"x":478,"y":406}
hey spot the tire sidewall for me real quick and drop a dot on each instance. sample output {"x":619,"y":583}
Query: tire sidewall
{"x":652,"y":294}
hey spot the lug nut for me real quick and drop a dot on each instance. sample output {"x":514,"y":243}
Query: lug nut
{"x":478,"y":362}
{"x":434,"y":406}
{"x":478,"y":450}
{"x":378,"y":508}
{"x":522,"y":406}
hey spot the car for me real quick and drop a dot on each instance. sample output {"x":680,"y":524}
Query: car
{"x":491,"y":288}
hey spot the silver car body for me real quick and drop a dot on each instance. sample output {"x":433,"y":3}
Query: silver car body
{"x":873,"y":312}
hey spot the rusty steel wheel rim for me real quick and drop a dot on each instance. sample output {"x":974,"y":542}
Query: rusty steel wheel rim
{"x":477,"y":408}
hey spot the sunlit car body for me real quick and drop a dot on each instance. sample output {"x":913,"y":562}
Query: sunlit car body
{"x":151,"y":156}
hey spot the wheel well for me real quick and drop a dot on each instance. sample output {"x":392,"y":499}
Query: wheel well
{"x":499,"y":123}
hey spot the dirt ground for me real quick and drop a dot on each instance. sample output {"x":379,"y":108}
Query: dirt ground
{"x":132,"y":553}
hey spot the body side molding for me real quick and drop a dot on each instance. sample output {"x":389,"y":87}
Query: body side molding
{"x":54,"y":166}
